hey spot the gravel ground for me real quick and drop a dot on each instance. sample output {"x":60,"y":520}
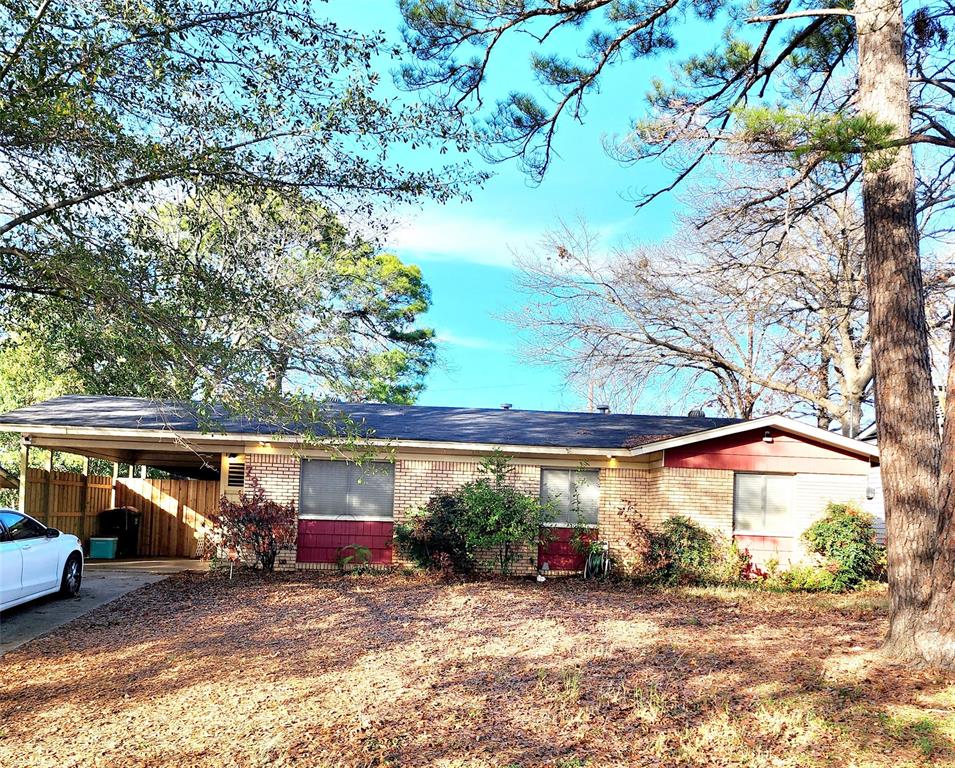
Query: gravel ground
{"x":311,"y":670}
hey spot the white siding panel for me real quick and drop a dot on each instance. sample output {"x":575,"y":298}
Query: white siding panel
{"x":814,"y":492}
{"x":876,"y":506}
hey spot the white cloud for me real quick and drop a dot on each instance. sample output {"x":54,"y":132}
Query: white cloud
{"x":468,"y":342}
{"x":449,"y":235}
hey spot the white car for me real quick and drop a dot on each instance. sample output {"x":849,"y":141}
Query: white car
{"x":36,"y":560}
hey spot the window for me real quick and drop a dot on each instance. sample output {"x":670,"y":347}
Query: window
{"x":344,"y":489}
{"x":762,"y":504}
{"x":564,"y":487}
{"x":20,"y":527}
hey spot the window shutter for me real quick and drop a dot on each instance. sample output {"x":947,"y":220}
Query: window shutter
{"x":588,"y":494}
{"x":558,"y":486}
{"x":343,"y":489}
{"x":748,"y":502}
{"x":324,"y":488}
{"x":555,"y":488}
{"x":372,"y":490}
{"x":762,"y":504}
{"x":779,"y":494}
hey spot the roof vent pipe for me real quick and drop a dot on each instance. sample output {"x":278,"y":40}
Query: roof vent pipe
{"x":506,"y":406}
{"x":697,"y":413}
{"x":604,"y":409}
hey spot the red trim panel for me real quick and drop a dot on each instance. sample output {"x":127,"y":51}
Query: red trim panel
{"x":747,"y":452}
{"x":763,"y":548}
{"x":559,"y":553}
{"x":321,"y":541}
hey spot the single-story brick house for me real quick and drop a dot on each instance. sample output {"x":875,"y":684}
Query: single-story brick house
{"x":761,"y":481}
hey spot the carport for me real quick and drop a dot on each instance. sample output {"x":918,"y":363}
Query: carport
{"x":196,"y":471}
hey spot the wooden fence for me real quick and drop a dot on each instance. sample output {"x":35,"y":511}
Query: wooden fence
{"x":174,"y":512}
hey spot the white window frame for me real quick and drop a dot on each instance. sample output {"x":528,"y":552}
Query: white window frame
{"x":790,"y":512}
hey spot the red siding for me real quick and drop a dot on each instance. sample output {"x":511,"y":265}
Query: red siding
{"x":558,"y":552}
{"x":747,"y":452}
{"x":765,"y":548}
{"x":320,"y":541}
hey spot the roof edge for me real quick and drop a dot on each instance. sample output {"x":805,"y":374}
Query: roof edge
{"x":188,"y":437}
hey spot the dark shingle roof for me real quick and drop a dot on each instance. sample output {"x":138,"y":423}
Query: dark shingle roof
{"x":398,"y":422}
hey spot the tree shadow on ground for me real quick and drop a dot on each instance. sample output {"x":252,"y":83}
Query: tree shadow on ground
{"x":304,"y":670}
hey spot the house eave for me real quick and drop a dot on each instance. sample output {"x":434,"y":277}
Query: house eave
{"x":190,"y":440}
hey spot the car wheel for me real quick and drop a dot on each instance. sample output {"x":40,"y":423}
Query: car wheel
{"x":72,"y":576}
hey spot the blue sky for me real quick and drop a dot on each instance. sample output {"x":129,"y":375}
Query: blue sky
{"x":465,"y":249}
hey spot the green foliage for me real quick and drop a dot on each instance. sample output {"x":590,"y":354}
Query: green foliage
{"x":109,"y":111}
{"x":837,"y":136}
{"x":686,"y":551}
{"x":435,"y":537}
{"x":353,"y":556}
{"x":242,"y":298}
{"x":584,"y":537}
{"x":845,"y":538}
{"x":488,"y":514}
{"x":807,"y":578}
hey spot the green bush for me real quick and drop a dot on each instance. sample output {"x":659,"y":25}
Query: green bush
{"x":845,"y":538}
{"x":485,"y":515}
{"x":435,"y":538}
{"x":685,"y":551}
{"x":807,"y":578}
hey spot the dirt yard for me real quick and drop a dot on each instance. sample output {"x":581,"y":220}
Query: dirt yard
{"x":393,"y":671}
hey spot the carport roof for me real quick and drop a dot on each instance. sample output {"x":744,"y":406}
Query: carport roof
{"x":491,"y":426}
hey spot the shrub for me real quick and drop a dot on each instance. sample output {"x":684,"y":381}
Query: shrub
{"x":845,"y":538}
{"x":642,"y":556}
{"x":584,"y":538}
{"x":732,"y":565}
{"x":686,"y":551}
{"x":355,"y":556}
{"x":255,"y":527}
{"x":487,"y":514}
{"x":807,"y":578}
{"x":435,"y":537}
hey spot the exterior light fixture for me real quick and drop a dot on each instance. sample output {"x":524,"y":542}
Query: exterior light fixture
{"x":767,"y":436}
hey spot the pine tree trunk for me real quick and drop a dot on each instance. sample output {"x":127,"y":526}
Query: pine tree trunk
{"x":908,"y":434}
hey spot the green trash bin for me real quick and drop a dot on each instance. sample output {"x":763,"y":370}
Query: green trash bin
{"x":103,"y":548}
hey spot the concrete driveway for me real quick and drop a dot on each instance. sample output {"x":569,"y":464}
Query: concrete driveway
{"x":103,"y":582}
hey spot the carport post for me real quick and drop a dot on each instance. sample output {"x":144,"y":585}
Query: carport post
{"x":112,"y":493}
{"x":49,"y":487}
{"x":24,"y":467}
{"x":84,"y":497}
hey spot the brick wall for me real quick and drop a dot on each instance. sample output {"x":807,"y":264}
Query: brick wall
{"x":650,"y":496}
{"x":278,"y":475}
{"x":626,"y":494}
{"x":417,"y":480}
